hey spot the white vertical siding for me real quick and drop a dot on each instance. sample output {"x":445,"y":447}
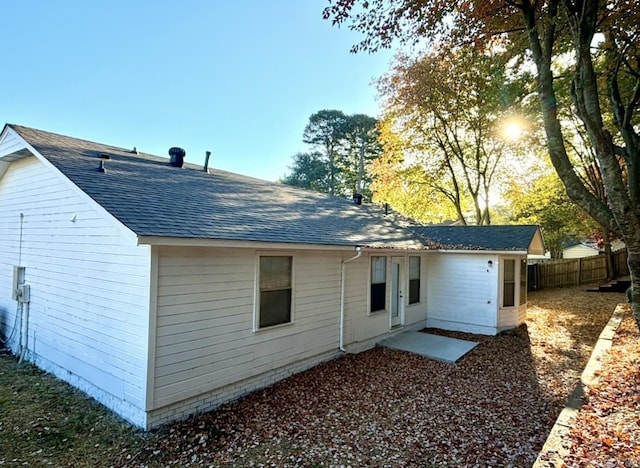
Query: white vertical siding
{"x":463,"y":292}
{"x":89,"y":287}
{"x":204,"y":335}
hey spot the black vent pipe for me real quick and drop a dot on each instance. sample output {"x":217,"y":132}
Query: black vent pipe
{"x":176,"y":156}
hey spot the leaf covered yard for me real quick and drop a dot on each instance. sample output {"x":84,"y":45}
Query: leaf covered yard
{"x":383,"y":407}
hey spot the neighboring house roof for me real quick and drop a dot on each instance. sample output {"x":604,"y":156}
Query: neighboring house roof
{"x":154,"y":199}
{"x":498,"y":238}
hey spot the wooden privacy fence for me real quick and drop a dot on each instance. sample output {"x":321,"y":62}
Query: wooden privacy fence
{"x":576,"y":271}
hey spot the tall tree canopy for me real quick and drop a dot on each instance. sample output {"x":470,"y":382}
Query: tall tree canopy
{"x":448,"y":108}
{"x":601,"y":41}
{"x":342,"y":148}
{"x":546,"y":204}
{"x":325,"y":132}
{"x":309,"y":171}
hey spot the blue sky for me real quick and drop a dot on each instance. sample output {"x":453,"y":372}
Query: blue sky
{"x":239,"y":78}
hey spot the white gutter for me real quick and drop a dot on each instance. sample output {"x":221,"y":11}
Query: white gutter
{"x":342,"y":280}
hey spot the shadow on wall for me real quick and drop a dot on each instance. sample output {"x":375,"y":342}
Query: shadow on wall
{"x":6,"y":327}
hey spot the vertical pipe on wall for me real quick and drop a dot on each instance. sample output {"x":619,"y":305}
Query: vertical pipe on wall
{"x":342,"y":290}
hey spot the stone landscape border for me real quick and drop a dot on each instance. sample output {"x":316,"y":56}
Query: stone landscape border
{"x":558,"y":443}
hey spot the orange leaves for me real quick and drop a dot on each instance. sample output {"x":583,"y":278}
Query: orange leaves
{"x":607,"y":431}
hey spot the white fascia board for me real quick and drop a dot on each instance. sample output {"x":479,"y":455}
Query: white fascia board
{"x":483,"y":252}
{"x":81,"y":193}
{"x":398,"y":250}
{"x":199,"y":242}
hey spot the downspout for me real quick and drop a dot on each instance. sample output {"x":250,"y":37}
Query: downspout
{"x":342,"y":281}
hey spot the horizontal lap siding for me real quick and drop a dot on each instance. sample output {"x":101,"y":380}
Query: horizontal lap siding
{"x":10,"y":144}
{"x":204,"y":336}
{"x":362,"y":326}
{"x":512,"y":317}
{"x":462,"y":292}
{"x":356,"y":320}
{"x":89,"y":287}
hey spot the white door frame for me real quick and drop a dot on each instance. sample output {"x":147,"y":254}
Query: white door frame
{"x":396,"y":307}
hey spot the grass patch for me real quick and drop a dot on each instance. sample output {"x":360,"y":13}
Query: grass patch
{"x":44,"y":421}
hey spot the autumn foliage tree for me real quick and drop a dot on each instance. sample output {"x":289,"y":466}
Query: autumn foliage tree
{"x":601,"y":41}
{"x":545,"y":203}
{"x":447,"y":107}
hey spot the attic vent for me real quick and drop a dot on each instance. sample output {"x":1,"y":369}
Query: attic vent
{"x":104,"y":156}
{"x":176,"y":156}
{"x":206,"y":161}
{"x":357,"y":198}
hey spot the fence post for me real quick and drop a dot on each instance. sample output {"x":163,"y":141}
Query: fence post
{"x":579,"y":275}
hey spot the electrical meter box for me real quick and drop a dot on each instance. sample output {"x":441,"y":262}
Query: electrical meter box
{"x":18,"y":279}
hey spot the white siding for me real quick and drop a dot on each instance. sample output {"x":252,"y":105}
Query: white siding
{"x":10,"y":143}
{"x":579,"y":251}
{"x":362,"y":328}
{"x":512,"y":317}
{"x":204,"y":336}
{"x":463,"y":292}
{"x":89,"y":282}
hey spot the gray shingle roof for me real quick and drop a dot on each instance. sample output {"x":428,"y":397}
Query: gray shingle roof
{"x":516,"y":237}
{"x":152,"y":198}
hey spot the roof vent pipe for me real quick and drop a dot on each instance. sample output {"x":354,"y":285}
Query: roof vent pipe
{"x":206,"y":161}
{"x":176,"y":156}
{"x":357,"y":198}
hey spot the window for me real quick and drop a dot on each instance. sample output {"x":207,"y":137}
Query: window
{"x":414,"y":280}
{"x":378,"y":283}
{"x":509,"y":283}
{"x":523,"y":281}
{"x":275,"y":291}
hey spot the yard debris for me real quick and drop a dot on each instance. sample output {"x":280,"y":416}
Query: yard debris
{"x":607,"y":429}
{"x":383,"y":407}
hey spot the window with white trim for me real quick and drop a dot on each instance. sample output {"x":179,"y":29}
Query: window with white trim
{"x":275,"y":279}
{"x":508,"y":283}
{"x":378,"y":285}
{"x":414,"y":280}
{"x":523,"y":281}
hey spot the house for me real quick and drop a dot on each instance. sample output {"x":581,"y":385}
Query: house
{"x":588,"y":249}
{"x":162,"y":289}
{"x":580,"y":250}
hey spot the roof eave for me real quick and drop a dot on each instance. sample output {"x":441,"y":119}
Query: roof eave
{"x":240,"y":244}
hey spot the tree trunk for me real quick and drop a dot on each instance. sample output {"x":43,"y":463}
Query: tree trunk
{"x":621,"y":213}
{"x":608,"y":255}
{"x":633,"y":262}
{"x":361,"y":167}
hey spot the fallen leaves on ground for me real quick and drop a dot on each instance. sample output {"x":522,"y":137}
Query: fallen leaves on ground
{"x":494,"y":407}
{"x":383,"y":407}
{"x":607,"y":429}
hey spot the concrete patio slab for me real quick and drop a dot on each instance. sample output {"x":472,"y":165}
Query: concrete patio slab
{"x":440,"y":348}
